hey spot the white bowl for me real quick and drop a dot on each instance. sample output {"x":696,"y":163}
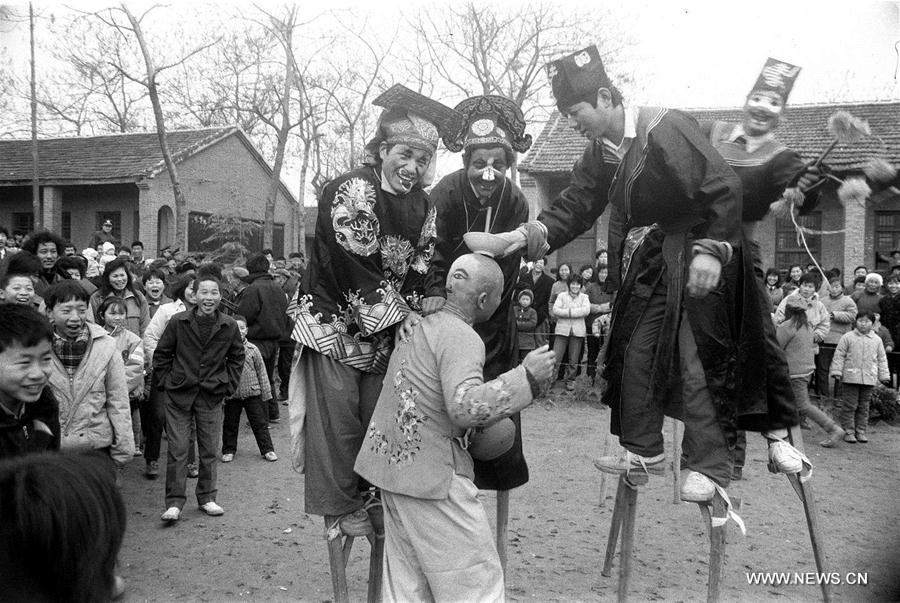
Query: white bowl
{"x":485,"y":243}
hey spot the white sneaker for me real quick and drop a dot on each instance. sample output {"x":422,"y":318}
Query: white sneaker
{"x":227,"y":458}
{"x":628,"y":462}
{"x":697,"y":488}
{"x":271,"y":456}
{"x":785,"y":457}
{"x":171,"y":514}
{"x":211,"y":508}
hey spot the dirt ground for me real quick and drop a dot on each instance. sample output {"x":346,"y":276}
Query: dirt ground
{"x":265,"y":548}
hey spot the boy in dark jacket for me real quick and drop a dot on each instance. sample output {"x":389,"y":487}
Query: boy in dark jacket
{"x":197,"y":364}
{"x":264,"y":304}
{"x":29,"y":415}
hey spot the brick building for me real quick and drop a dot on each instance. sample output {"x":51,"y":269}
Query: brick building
{"x":85,"y":181}
{"x":857,"y":232}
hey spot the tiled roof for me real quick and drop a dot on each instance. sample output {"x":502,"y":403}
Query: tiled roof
{"x":97,"y":159}
{"x":803,"y":128}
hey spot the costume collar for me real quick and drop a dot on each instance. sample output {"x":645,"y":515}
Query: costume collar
{"x":629,"y":133}
{"x":752,"y":143}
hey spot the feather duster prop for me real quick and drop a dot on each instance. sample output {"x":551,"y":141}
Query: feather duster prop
{"x":844,"y":128}
{"x":879,"y":170}
{"x":854,"y":190}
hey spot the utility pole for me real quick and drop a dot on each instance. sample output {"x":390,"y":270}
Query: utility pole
{"x":35,"y":185}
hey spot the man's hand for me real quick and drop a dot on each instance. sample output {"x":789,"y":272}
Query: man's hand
{"x":430,"y":305}
{"x":810,"y":178}
{"x":406,"y":328}
{"x":703,"y":274}
{"x":515,"y":239}
{"x":540,"y":363}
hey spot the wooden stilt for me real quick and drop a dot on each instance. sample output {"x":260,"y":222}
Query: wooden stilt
{"x":623,"y":525}
{"x":340,"y":546}
{"x":677,"y":436}
{"x":805,"y":493}
{"x":376,"y":567}
{"x":603,"y":476}
{"x":717,"y":536}
{"x":502,"y":526}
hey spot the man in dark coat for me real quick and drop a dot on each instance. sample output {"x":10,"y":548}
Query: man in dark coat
{"x":675,"y":222}
{"x":197,"y":365}
{"x":264,"y":305}
{"x":480,"y":198}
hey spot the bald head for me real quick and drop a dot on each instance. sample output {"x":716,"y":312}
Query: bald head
{"x":474,"y":283}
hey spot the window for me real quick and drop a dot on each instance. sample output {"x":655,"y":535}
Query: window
{"x":788,"y":249}
{"x":67,"y":225}
{"x":887,"y":235}
{"x":22,"y":222}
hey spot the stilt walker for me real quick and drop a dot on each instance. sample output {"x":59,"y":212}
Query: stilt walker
{"x":375,"y":241}
{"x":675,"y":232}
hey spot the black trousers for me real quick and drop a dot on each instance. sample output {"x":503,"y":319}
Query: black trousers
{"x":257,"y":415}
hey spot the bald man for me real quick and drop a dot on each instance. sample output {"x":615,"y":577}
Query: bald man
{"x":438,"y":542}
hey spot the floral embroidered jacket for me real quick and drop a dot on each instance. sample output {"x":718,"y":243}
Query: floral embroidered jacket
{"x":433,"y":392}
{"x":372,"y":254}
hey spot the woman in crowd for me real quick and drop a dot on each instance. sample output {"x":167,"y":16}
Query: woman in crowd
{"x":773,"y":287}
{"x":117,"y":280}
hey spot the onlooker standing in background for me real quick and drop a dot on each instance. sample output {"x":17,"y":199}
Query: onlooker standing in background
{"x":111,"y":316}
{"x":117,"y":281}
{"x":154,"y":290}
{"x":46,"y":247}
{"x":773,"y":287}
{"x":153,"y":411}
{"x":796,"y":339}
{"x":29,"y":414}
{"x":842,"y":316}
{"x":540,"y":284}
{"x":264,"y":305}
{"x":104,"y":235}
{"x":859,"y":363}
{"x":87,"y":378}
{"x":197,"y":364}
{"x":869,"y":298}
{"x":889,"y":307}
{"x":570,"y":309}
{"x":252,"y":396}
{"x":595,"y":289}
{"x":526,"y":321}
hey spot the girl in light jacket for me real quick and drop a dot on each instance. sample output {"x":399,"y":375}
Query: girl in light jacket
{"x":860,"y":363}
{"x":570,"y":309}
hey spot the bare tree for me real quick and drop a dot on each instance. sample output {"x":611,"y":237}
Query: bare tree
{"x":485,"y":49}
{"x":112,"y":17}
{"x":355,"y":79}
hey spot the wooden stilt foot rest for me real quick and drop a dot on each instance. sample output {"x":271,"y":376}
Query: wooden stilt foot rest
{"x":340,"y":546}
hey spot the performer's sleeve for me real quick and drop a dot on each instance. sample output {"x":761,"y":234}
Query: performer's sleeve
{"x":470,"y":402}
{"x":615,"y":244}
{"x":440,"y":260}
{"x":786,"y":168}
{"x":580,"y":204}
{"x":437,"y":271}
{"x":701,"y":174}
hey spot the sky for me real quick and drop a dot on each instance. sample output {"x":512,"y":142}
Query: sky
{"x":704,"y":53}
